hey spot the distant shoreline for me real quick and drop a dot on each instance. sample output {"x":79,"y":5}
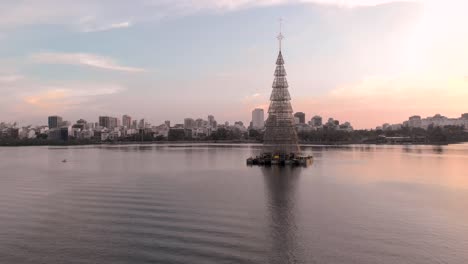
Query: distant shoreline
{"x":302,"y":143}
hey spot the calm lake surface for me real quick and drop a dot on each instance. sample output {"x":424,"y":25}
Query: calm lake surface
{"x":202,"y":204}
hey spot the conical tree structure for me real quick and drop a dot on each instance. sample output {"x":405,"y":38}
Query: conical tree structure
{"x":280,"y":133}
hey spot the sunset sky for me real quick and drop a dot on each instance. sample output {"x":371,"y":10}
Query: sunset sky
{"x":362,"y":61}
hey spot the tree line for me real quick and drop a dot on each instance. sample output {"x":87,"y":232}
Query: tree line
{"x":431,"y":135}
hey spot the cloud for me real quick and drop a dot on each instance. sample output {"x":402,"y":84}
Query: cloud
{"x":89,"y":24}
{"x":353,"y":3}
{"x":252,"y":99}
{"x":47,"y":99}
{"x":30,"y":100}
{"x":70,"y":12}
{"x":65,"y":96}
{"x":84,"y":59}
{"x":255,"y":100}
{"x":233,"y":5}
{"x":10,"y":78}
{"x":263,"y":106}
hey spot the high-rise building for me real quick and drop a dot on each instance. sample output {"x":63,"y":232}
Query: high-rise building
{"x":55,"y":121}
{"x":114,"y":122}
{"x":316,"y":121}
{"x":104,"y":121}
{"x":280,"y":134}
{"x":126,"y":121}
{"x":211,"y":121}
{"x":301,"y":117}
{"x":258,"y":118}
{"x":199,"y":122}
{"x":141,"y":124}
{"x":415,"y":121}
{"x":189,"y":123}
{"x":108,"y":122}
{"x":167,"y":123}
{"x":465,"y":116}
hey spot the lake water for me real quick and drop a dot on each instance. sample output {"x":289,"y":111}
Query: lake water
{"x":202,"y":204}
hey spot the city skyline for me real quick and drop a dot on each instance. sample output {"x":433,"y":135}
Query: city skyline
{"x":257,"y":121}
{"x":169,"y":61}
{"x":415,"y":129}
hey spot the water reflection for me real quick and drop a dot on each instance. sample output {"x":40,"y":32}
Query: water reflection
{"x":281,"y":184}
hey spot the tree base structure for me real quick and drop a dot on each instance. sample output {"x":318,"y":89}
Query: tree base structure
{"x":268,"y":159}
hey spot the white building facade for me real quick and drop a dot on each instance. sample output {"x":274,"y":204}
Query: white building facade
{"x":258,"y":118}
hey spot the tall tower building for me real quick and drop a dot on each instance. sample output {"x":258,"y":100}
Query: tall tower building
{"x":55,"y":121}
{"x":198,"y":122}
{"x":104,"y":121}
{"x":280,"y":133}
{"x":301,"y":117}
{"x":108,"y":122}
{"x":126,"y":121}
{"x":189,"y":123}
{"x":258,"y":118}
{"x":141,"y":124}
{"x":211,"y":120}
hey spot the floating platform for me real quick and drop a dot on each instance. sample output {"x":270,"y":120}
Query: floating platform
{"x":267,"y":160}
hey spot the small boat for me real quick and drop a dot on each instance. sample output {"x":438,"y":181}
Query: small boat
{"x":64,"y":160}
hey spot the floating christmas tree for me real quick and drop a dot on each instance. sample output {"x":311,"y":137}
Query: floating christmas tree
{"x":280,"y":134}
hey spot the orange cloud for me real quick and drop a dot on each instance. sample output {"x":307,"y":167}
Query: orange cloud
{"x":379,"y":100}
{"x":47,"y":99}
{"x":58,"y":99}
